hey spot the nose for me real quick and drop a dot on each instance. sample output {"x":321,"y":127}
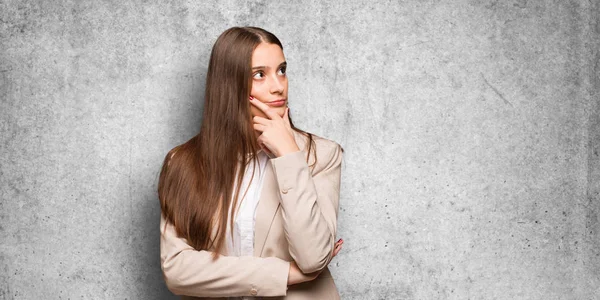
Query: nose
{"x":277,"y":86}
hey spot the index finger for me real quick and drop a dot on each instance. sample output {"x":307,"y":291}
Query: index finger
{"x":264,"y":108}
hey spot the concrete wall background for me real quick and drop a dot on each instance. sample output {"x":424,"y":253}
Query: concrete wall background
{"x":471,"y":131}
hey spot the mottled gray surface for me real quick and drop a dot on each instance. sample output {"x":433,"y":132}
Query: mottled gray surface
{"x":471,"y":130}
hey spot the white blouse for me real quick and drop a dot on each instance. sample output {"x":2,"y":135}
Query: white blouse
{"x":242,"y":243}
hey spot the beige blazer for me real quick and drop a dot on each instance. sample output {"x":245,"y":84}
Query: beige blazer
{"x":296,"y":220}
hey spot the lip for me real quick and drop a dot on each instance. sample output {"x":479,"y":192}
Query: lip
{"x":277,"y":103}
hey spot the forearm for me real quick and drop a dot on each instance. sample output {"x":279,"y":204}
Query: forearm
{"x":310,"y":239}
{"x":195,"y":273}
{"x":309,"y":205}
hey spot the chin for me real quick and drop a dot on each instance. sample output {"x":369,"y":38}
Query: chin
{"x":281,"y":112}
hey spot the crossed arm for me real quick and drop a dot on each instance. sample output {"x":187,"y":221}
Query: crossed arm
{"x":309,"y":205}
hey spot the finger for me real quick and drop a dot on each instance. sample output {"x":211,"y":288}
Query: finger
{"x":337,"y":250}
{"x":259,"y":127}
{"x":264,"y":108}
{"x":266,"y":150}
{"x":261,"y":143}
{"x":337,"y":246}
{"x":260,"y":120}
{"x":286,"y":117}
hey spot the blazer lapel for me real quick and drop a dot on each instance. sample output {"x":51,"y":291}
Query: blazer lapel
{"x":268,"y":202}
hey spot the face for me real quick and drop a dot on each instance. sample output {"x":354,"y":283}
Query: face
{"x":269,"y":80}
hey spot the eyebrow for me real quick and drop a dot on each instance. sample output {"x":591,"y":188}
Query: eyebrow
{"x":283,"y":64}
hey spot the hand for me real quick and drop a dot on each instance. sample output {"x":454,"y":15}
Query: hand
{"x":277,"y":133}
{"x":337,"y":248}
{"x":296,"y":276}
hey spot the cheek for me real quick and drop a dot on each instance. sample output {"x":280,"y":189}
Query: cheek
{"x":257,"y":90}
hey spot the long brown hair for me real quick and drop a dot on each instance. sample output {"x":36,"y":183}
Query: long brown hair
{"x":196,"y":181}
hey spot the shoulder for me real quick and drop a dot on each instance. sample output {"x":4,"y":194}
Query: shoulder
{"x":326,"y":148}
{"x":324,"y":153}
{"x":321,"y":144}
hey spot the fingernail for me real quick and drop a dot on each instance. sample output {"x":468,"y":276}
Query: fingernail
{"x":251,"y":98}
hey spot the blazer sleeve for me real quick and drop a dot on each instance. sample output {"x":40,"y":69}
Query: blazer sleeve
{"x":310,"y":205}
{"x":194,"y":273}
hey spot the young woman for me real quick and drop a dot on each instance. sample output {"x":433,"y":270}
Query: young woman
{"x":273,"y":234}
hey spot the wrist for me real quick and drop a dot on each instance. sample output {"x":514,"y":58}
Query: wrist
{"x":288,"y":150}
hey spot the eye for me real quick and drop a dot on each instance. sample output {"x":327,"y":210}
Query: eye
{"x":258,"y":75}
{"x":281,"y":71}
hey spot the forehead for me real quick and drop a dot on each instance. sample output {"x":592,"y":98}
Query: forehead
{"x":266,"y":54}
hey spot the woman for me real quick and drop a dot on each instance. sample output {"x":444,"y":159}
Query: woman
{"x":280,"y":237}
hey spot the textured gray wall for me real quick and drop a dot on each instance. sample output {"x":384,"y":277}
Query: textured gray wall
{"x":471,"y":131}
